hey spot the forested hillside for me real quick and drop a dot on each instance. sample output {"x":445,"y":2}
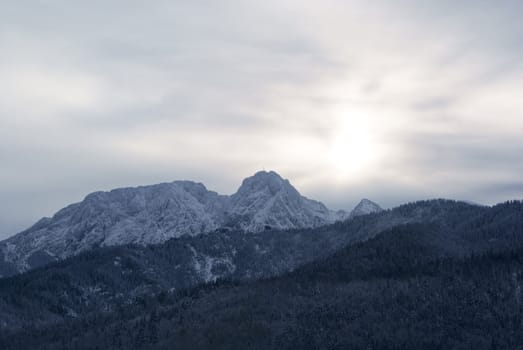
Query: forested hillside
{"x":447,"y":283}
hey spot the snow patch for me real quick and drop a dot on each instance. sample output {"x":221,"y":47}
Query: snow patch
{"x":204,"y":265}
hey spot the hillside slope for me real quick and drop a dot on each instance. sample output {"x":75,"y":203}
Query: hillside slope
{"x":411,"y":286}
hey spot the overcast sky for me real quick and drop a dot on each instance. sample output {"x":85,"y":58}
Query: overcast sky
{"x":390,"y":100}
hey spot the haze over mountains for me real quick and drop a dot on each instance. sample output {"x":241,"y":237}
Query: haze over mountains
{"x":153,"y":214}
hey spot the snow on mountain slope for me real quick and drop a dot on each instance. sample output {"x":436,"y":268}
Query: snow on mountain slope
{"x":365,"y":207}
{"x":153,"y":214}
{"x":142,"y":215}
{"x":266,"y":201}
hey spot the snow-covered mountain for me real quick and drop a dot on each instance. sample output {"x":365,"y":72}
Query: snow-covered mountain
{"x":364,"y":207}
{"x":153,"y":214}
{"x":266,"y":201}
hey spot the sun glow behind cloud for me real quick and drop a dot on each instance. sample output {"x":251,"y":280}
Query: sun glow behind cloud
{"x":352,"y":150}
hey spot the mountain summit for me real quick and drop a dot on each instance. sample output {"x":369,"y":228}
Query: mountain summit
{"x":364,"y":207}
{"x":153,"y":214}
{"x":267,"y":201}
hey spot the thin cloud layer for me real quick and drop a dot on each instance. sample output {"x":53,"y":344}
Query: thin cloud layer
{"x":392,"y":100}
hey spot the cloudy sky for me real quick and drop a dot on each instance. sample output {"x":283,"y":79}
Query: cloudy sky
{"x":394,"y":100}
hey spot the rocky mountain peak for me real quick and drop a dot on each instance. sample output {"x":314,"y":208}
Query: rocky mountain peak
{"x":364,"y":207}
{"x":268,"y":181}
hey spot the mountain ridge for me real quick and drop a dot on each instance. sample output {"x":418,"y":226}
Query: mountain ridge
{"x":104,"y":278}
{"x":156,"y":213}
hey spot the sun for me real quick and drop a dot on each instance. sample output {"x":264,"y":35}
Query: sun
{"x":352,"y":148}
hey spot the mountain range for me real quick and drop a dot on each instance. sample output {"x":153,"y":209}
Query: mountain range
{"x":429,"y":274}
{"x":154,"y":214}
{"x":175,"y":265}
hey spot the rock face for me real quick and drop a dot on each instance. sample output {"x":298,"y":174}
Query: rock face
{"x":266,"y":201}
{"x":153,"y":214}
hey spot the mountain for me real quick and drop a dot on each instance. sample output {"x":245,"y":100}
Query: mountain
{"x":431,"y":274}
{"x":142,"y":215}
{"x":266,"y":201}
{"x":154,"y":214}
{"x":364,"y":207}
{"x":106,"y":277}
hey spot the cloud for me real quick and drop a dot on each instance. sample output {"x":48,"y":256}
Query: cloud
{"x":393,"y":100}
